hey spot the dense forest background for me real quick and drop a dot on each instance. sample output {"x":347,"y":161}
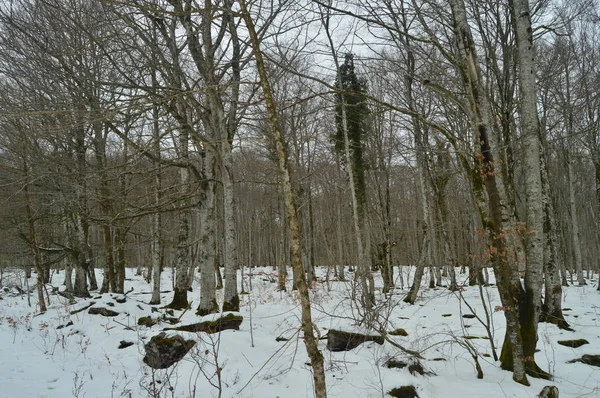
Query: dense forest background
{"x":143,"y":134}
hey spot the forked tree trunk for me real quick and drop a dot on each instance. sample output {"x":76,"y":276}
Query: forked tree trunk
{"x":426,"y":257}
{"x":316,"y":358}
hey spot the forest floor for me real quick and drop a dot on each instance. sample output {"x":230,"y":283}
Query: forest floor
{"x":40,"y":356}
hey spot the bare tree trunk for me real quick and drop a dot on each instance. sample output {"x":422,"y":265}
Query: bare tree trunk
{"x":206,"y":214}
{"x":426,"y":257}
{"x":552,"y":307}
{"x":182,"y":249}
{"x":231,"y":299}
{"x":33,"y":243}
{"x":530,"y":309}
{"x":68,"y":276}
{"x":575,"y":235}
{"x":120,"y":243}
{"x":340,"y":246}
{"x":310,"y":341}
{"x":80,"y":289}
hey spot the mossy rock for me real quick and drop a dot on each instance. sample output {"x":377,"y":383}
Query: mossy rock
{"x":404,"y":392}
{"x":162,"y":351}
{"x":229,"y":321}
{"x":573,"y":343}
{"x":593,"y":360}
{"x":399,"y":332}
{"x":102,"y":311}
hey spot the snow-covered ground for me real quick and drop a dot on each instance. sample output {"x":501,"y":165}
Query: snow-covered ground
{"x":41,"y":357}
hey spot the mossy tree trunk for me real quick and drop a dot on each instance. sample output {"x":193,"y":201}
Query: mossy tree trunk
{"x":498,"y":225}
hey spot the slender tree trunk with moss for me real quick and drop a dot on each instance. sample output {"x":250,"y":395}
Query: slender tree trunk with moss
{"x":501,"y":234}
{"x":552,"y":307}
{"x":311,"y":342}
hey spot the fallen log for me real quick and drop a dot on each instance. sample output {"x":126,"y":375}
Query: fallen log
{"x":338,"y":340}
{"x":229,"y":321}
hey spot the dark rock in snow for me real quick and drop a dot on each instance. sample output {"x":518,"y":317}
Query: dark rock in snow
{"x":399,"y":332}
{"x":162,"y":351}
{"x":469,"y":316}
{"x":102,"y":311}
{"x":573,"y":343}
{"x":395,"y":364}
{"x":404,"y":392}
{"x":64,"y":326}
{"x":417,"y":368}
{"x":125,"y":344}
{"x":549,"y":392}
{"x":346,"y":341}
{"x":147,"y":321}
